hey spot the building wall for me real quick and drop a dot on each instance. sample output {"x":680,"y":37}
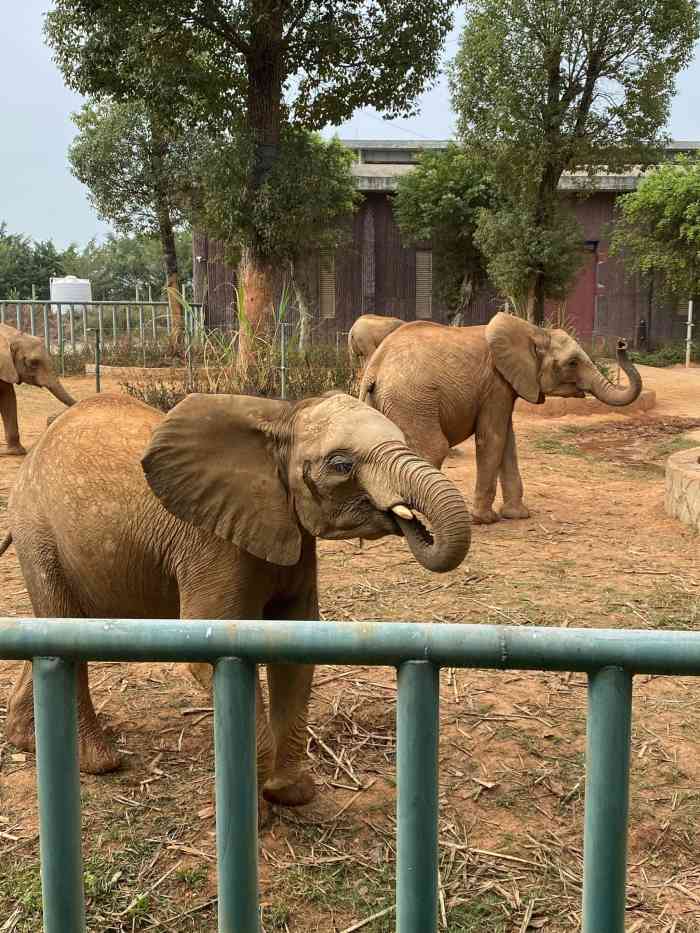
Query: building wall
{"x":375,"y":272}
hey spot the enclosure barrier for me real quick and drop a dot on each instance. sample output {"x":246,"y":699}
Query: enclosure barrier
{"x":418,"y":650}
{"x":64,"y":324}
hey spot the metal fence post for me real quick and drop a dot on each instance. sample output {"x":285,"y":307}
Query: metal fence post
{"x":18,"y":315}
{"x":32,"y":319}
{"x":128,"y":325}
{"x":114,"y":326}
{"x":607,"y":800}
{"x":417,"y":803}
{"x":72,"y":328}
{"x":283,"y":367}
{"x":236,"y":795}
{"x":59,"y":328}
{"x":47,"y":337}
{"x":58,"y":780}
{"x":85,"y":326}
{"x":98,"y":357}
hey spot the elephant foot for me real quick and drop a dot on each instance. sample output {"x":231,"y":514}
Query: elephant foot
{"x":264,"y":813}
{"x":203,"y":674}
{"x":97,"y":756}
{"x":290,"y":794}
{"x":515,"y":511}
{"x":16,"y":450}
{"x":20,"y":735}
{"x":484,"y":517}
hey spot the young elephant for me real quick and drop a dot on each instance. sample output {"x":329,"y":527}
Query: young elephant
{"x":367,"y":333}
{"x":442,"y":384}
{"x":23,"y":359}
{"x":212,"y":513}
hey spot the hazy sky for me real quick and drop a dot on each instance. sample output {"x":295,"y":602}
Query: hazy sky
{"x":39,"y":196}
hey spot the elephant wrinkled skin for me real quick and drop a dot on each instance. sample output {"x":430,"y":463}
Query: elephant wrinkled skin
{"x":442,"y":384}
{"x":367,"y":333}
{"x":211,"y":512}
{"x":23,"y":359}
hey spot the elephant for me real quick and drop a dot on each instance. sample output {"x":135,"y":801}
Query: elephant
{"x":212,"y":512}
{"x":23,"y":359}
{"x":442,"y":384}
{"x":367,"y":333}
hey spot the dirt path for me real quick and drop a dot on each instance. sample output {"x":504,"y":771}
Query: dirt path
{"x":598,"y":551}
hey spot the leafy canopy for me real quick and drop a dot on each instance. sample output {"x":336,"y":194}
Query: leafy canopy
{"x":568,"y":84}
{"x":440,"y":201}
{"x":328,"y":57}
{"x":302,"y":205}
{"x":129,"y":166}
{"x":658,"y":228}
{"x":25,"y":262}
{"x":541,"y":87}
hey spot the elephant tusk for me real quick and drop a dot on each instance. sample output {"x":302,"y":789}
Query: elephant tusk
{"x":403,"y":512}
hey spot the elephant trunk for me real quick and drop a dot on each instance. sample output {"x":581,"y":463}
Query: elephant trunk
{"x":611,"y":394}
{"x":438,"y":532}
{"x":57,"y":390}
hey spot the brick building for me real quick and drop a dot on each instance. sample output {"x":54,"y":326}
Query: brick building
{"x":378,"y":273}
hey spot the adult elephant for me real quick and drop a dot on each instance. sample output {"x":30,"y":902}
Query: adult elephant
{"x":367,"y":333}
{"x":23,"y":359}
{"x":442,"y":384}
{"x":212,"y":512}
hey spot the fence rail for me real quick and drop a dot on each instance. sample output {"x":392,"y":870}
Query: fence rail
{"x":64,"y":324}
{"x":610,"y":658}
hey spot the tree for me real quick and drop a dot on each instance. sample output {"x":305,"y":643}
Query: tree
{"x":541,"y":87}
{"x":441,"y":201}
{"x":252,"y":66}
{"x":120,"y":264}
{"x":302,"y":207}
{"x":139,"y":176}
{"x":658,"y":228}
{"x":25,"y":263}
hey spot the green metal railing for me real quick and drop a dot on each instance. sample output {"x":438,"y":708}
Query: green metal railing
{"x":610,"y":658}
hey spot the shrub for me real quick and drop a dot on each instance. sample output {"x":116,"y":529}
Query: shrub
{"x":669,"y":355}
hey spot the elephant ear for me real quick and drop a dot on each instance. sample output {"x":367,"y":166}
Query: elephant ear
{"x":514,"y":344}
{"x":213,"y":462}
{"x":8,"y":373}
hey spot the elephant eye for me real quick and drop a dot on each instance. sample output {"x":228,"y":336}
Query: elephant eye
{"x":572,"y":362}
{"x":340,"y":463}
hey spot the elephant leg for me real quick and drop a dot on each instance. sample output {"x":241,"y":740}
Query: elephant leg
{"x":511,"y":481}
{"x":197,"y":602}
{"x":97,"y":755}
{"x":51,"y":598}
{"x":8,"y":412}
{"x":290,"y":691}
{"x":490,"y":437}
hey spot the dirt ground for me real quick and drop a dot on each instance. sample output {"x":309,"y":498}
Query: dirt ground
{"x":598,"y":551}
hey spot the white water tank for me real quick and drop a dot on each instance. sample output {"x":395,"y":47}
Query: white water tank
{"x":70,"y":288}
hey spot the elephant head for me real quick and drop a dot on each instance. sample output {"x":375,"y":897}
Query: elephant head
{"x":538,"y":362}
{"x":260,"y":473}
{"x":24,"y":359}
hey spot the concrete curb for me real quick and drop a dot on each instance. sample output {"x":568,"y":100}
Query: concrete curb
{"x":554,"y":407}
{"x":683,"y":486}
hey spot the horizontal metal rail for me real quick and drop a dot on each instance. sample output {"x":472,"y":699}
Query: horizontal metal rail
{"x":388,"y":643}
{"x":609,"y":657}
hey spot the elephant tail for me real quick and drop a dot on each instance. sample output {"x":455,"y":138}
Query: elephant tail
{"x":367,"y":392}
{"x":6,"y":542}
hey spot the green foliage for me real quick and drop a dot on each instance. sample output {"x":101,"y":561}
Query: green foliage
{"x":133,"y":169}
{"x":516,"y":250}
{"x":440,"y":201}
{"x":670,"y":355}
{"x":545,"y":86}
{"x":658,"y":228}
{"x":116,"y":266}
{"x":302,"y":205}
{"x":25,"y":262}
{"x":203,"y":56}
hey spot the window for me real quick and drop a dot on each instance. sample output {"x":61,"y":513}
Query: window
{"x":327,"y":286}
{"x":424,"y":284}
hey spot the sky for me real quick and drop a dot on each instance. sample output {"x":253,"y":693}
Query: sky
{"x":40,"y":198}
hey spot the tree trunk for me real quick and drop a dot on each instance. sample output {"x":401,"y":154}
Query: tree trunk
{"x":159,"y":151}
{"x":264,"y":64}
{"x":537,"y":316}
